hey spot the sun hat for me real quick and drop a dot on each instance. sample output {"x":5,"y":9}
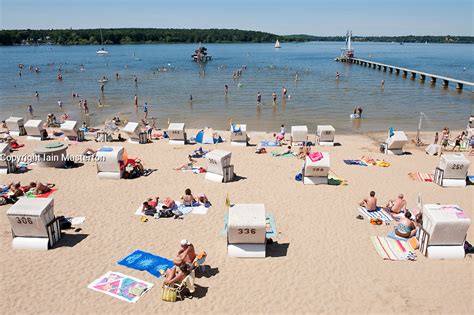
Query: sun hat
{"x":185,"y":242}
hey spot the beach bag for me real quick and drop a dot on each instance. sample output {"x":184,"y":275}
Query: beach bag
{"x":168,"y":294}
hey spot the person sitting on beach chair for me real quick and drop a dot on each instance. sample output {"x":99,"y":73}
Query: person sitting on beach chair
{"x":188,"y":198}
{"x":187,"y":166}
{"x":176,"y":274}
{"x":370,"y":203}
{"x":396,"y":206}
{"x":186,"y":254}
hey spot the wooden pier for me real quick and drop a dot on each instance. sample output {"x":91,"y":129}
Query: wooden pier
{"x":409,"y":72}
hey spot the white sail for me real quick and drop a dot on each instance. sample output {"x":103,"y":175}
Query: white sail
{"x":277,"y":44}
{"x":102,"y":51}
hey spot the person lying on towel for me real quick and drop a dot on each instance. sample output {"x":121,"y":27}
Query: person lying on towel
{"x":149,"y":206}
{"x":38,"y":188}
{"x":396,"y":206}
{"x":186,"y":254}
{"x":287,"y":151}
{"x":370,"y":203}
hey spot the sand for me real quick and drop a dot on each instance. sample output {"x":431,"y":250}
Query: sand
{"x":323,"y":261}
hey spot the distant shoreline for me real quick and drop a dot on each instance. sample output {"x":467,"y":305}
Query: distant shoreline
{"x":117,"y":36}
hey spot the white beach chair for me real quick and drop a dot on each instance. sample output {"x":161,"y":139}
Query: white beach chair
{"x":34,"y":129}
{"x":315,"y":173}
{"x":219,"y":168}
{"x":394,"y":144}
{"x":452,"y":170}
{"x":110,"y":162}
{"x":325,"y":135}
{"x":71,"y":131}
{"x":16,"y":126}
{"x":133,"y":130}
{"x":246,"y":233}
{"x":238,"y":135}
{"x":444,"y":231}
{"x":299,"y":134}
{"x":7,"y":166}
{"x":177,"y":133}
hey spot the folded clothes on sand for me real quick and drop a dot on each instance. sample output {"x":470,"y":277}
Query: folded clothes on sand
{"x":355,"y":162}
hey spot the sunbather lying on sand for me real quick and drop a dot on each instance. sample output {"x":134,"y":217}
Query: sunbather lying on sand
{"x":38,"y":188}
{"x":177,"y":274}
{"x":370,"y":203}
{"x":149,"y":206}
{"x":398,"y":205}
{"x":186,"y":254}
{"x":199,"y":153}
{"x":287,"y":151}
{"x":187,"y":166}
{"x":204,"y":201}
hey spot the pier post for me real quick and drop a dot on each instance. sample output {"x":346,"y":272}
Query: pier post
{"x":413,"y":76}
{"x":405,"y":73}
{"x":422,"y":77}
{"x":459,"y":86}
{"x":397,"y":71}
{"x":445,"y":83}
{"x":433,"y":80}
{"x":374,"y":65}
{"x":390,"y":69}
{"x":384,"y":68}
{"x":379,"y":67}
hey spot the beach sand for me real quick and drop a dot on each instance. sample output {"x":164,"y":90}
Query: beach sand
{"x":323,"y":261}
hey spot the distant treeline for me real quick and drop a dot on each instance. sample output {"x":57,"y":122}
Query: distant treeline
{"x":156,"y":35}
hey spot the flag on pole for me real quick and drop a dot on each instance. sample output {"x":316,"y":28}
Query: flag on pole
{"x":227,"y":201}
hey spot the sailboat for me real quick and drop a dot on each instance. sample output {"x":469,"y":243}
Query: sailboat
{"x":102,"y":51}
{"x":277,"y":44}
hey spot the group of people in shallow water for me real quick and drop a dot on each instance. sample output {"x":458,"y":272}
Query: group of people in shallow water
{"x":407,"y":224}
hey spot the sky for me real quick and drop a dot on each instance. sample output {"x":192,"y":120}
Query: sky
{"x":314,"y":17}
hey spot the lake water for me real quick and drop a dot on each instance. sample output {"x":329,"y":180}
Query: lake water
{"x":316,"y":98}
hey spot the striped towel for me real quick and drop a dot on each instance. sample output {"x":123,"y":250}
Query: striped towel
{"x":422,"y":177}
{"x":378,"y":214}
{"x":390,"y":249}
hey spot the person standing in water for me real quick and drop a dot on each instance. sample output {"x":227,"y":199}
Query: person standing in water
{"x":284,"y":91}
{"x":259,"y":99}
{"x":36,"y":94}
{"x":274,"y":97}
{"x":102,"y":88}
{"x":337,"y":75}
{"x":60,"y":104}
{"x":145,"y":110}
{"x":382,"y":83}
{"x":86,"y":108}
{"x":30,"y":110}
{"x":226,"y":90}
{"x":135,"y":79}
{"x":135,"y":101}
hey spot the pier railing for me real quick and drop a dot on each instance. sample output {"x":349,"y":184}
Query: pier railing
{"x":413,"y":73}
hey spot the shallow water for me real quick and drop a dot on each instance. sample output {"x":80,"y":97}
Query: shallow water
{"x":316,"y":98}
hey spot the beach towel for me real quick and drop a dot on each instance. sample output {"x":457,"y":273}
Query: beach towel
{"x":370,"y":161}
{"x":336,"y":181}
{"x":144,"y":261}
{"x":270,"y":225}
{"x":76,"y":221}
{"x":121,"y":286}
{"x":390,"y":249}
{"x":199,"y":209}
{"x":30,"y":194}
{"x":276,"y":154}
{"x":355,"y":162}
{"x":378,"y":214}
{"x":315,"y":156}
{"x":269,"y":143}
{"x":422,"y":177}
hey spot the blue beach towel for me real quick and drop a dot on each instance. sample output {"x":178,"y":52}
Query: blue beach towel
{"x":355,"y":162}
{"x":394,"y":236}
{"x":105,"y":149}
{"x":269,"y":143}
{"x":377,"y":214}
{"x":144,"y":261}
